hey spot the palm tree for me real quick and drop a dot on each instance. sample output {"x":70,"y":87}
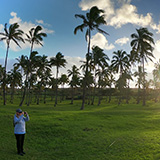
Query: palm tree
{"x":99,"y":60}
{"x":110,"y":80}
{"x":29,"y":66}
{"x":142,"y":45}
{"x":93,"y":19}
{"x":120,"y":61}
{"x":120,"y":64}
{"x":75,"y":79}
{"x":15,"y":80}
{"x":52,"y":84}
{"x":12,"y":34}
{"x":139,"y":75}
{"x":58,"y":61}
{"x":35,"y":36}
{"x":63,"y":80}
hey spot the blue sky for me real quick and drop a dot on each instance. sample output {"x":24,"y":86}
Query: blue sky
{"x":58,"y":21}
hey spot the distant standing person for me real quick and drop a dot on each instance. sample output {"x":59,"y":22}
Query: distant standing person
{"x":20,"y":129}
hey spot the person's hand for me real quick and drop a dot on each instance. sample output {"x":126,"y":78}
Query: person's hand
{"x":25,"y":113}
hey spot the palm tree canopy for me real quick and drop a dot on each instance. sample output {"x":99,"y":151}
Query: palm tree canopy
{"x":58,"y":60}
{"x":13,"y":33}
{"x":120,"y":61}
{"x":99,"y":57}
{"x":142,"y":43}
{"x":36,"y":36}
{"x":92,"y":21}
{"x":73,"y":72}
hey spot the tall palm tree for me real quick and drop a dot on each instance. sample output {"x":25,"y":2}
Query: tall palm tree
{"x":58,"y":61}
{"x":142,"y":45}
{"x":93,"y":19}
{"x":35,"y":36}
{"x":13,"y":33}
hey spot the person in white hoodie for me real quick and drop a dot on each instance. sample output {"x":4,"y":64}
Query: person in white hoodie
{"x":20,"y":129}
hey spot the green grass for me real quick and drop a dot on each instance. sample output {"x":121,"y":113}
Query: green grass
{"x":106,"y":132}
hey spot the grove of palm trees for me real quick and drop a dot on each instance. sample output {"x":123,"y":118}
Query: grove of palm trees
{"x":32,"y":80}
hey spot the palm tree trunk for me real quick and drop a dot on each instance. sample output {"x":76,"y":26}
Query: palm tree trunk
{"x":4,"y":77}
{"x":138,"y":95}
{"x":56,"y":88}
{"x":12,"y":93}
{"x":31,"y":48}
{"x":72,"y":95}
{"x":110,"y":93}
{"x":86,"y":73}
{"x":144,"y":88}
{"x":45,"y":96}
{"x":94,"y":88}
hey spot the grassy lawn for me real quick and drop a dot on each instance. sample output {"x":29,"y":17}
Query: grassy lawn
{"x":106,"y":132}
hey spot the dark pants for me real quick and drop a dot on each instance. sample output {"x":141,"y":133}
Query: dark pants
{"x":20,"y":142}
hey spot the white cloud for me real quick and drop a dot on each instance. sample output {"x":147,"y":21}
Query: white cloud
{"x":106,"y":5}
{"x":128,"y":14}
{"x":40,"y":21}
{"x":124,"y":14}
{"x":1,"y":27}
{"x":101,"y":41}
{"x":122,"y":41}
{"x":25,"y":26}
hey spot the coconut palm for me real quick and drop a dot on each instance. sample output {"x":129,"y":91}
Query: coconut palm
{"x":35,"y":36}
{"x":58,"y":61}
{"x":15,"y":80}
{"x":120,"y":64}
{"x":75,"y":79}
{"x":139,"y":75}
{"x":13,"y":33}
{"x":29,"y":66}
{"x":93,"y":19}
{"x":52,"y":84}
{"x":63,"y":80}
{"x":120,"y":61}
{"x":142,"y":45}
{"x":99,"y":60}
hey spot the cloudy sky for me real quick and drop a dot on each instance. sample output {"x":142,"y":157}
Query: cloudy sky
{"x":58,"y":21}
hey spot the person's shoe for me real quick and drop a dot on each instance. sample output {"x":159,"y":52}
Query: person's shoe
{"x":21,"y":154}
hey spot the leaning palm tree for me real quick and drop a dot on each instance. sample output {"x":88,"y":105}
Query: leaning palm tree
{"x":35,"y":36}
{"x":142,"y":45}
{"x":12,"y":34}
{"x":93,"y":19}
{"x":58,"y":61}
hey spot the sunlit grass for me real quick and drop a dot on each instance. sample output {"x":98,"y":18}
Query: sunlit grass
{"x":105,"y":132}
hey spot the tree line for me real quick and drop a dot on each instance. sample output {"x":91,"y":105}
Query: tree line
{"x":33,"y":73}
